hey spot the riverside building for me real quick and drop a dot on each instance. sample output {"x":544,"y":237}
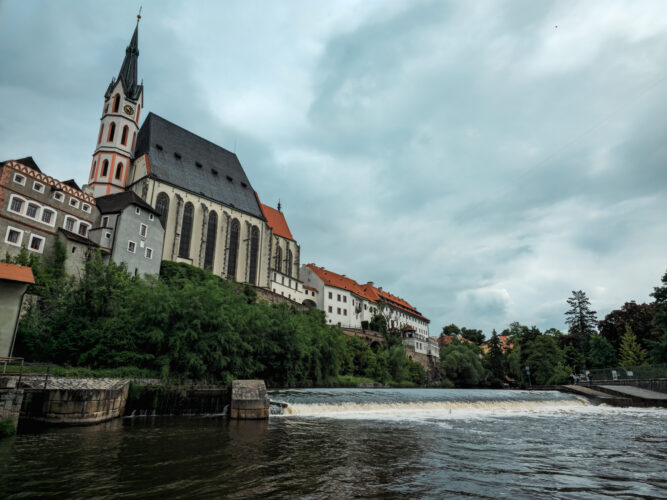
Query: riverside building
{"x":352,"y":306}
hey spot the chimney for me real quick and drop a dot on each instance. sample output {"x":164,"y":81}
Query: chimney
{"x":370,"y":283}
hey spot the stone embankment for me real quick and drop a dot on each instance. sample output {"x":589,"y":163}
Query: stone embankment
{"x":73,"y":401}
{"x":250,"y":401}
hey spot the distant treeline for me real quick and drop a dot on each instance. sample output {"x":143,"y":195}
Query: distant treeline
{"x":189,"y":324}
{"x":633,"y":335}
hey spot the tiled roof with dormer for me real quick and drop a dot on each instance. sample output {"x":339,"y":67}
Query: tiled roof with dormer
{"x":276,"y":221}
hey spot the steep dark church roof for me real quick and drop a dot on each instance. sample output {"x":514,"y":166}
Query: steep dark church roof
{"x":114,"y":203}
{"x":128,"y":71}
{"x":27,"y":161}
{"x":183,"y":159}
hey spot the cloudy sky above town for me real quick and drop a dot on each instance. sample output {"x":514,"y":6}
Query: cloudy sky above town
{"x":479,"y":159}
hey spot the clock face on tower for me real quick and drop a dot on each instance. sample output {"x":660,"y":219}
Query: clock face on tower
{"x":129,"y":110}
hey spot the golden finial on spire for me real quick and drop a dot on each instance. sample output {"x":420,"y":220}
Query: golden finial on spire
{"x":139,"y":15}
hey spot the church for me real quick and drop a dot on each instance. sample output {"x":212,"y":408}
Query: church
{"x":212,"y":216}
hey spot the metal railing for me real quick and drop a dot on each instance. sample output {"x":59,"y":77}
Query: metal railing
{"x":11,"y":367}
{"x":641,"y":372}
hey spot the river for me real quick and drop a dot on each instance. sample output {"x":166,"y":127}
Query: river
{"x":351,"y":443}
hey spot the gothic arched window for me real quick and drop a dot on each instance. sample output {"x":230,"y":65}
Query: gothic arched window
{"x":279,"y":259}
{"x":105,"y":168}
{"x":254,"y":250}
{"x":123,"y":137}
{"x":92,"y":170}
{"x":162,"y":207}
{"x":119,"y":170}
{"x":116,"y":103}
{"x":234,"y":231}
{"x":288,"y":263}
{"x":99,"y":139}
{"x":112,"y":132}
{"x":186,"y":231}
{"x":210,"y":241}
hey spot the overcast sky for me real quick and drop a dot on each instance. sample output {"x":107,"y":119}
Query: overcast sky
{"x":479,"y":159}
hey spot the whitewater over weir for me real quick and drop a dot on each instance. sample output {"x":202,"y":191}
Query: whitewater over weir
{"x":357,"y":443}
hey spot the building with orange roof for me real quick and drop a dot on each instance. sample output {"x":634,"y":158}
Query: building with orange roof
{"x":283,"y":255}
{"x":14,"y":281}
{"x":350,"y":304}
{"x":506,"y":344}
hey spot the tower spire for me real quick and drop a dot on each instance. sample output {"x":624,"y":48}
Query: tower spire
{"x":128,"y":71}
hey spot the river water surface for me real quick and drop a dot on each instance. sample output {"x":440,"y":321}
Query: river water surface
{"x":351,"y":443}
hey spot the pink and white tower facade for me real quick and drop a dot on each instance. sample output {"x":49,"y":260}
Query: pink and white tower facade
{"x":123,"y":101}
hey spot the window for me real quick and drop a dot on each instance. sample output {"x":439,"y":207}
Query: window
{"x":330,"y":309}
{"x":211,"y":231}
{"x":134,"y":140}
{"x":83,"y":229}
{"x":279,"y":259}
{"x":14,"y":236}
{"x":105,"y":221}
{"x":338,"y":297}
{"x":137,"y":210}
{"x":162,"y":207}
{"x":119,"y":170}
{"x":254,"y":250}
{"x":69,"y":224}
{"x":37,"y":243}
{"x":143,"y":230}
{"x":282,"y":280}
{"x":330,"y":295}
{"x":288,"y":263}
{"x":112,"y":132}
{"x":107,"y":235}
{"x":105,"y":168}
{"x":338,"y":310}
{"x":74,"y":202}
{"x":344,"y":312}
{"x":233,"y":247}
{"x":149,"y":253}
{"x":85,"y":207}
{"x":38,"y":187}
{"x":186,"y":231}
{"x":151,"y":217}
{"x":131,"y":246}
{"x":32,"y":210}
{"x":16,"y":205}
{"x":177,"y":156}
{"x":59,"y":197}
{"x":344,"y":298}
{"x":116,"y":103}
{"x":19,"y":179}
{"x":99,"y":139}
{"x":47,"y":216}
{"x":123,"y":136}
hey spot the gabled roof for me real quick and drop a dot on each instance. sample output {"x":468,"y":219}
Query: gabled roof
{"x":276,"y":221}
{"x":72,"y":183}
{"x":77,"y":238}
{"x":114,"y":203}
{"x":367,"y":291}
{"x":185,"y":160}
{"x":12,"y":272}
{"x":27,"y":161}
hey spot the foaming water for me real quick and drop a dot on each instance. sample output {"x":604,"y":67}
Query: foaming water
{"x":357,"y":443}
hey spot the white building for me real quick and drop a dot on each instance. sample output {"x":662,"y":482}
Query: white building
{"x":349,"y":304}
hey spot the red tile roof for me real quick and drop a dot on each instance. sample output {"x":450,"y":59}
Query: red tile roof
{"x":276,"y":221}
{"x":366,"y":291}
{"x":12,"y":272}
{"x":310,"y":288}
{"x":448,"y":339}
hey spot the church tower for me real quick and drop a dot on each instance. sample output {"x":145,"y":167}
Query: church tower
{"x":123,"y":101}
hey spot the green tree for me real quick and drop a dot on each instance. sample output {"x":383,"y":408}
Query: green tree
{"x":601,"y":354}
{"x":460,"y":363}
{"x":545,"y":360}
{"x":451,"y":329}
{"x":472,"y":334}
{"x":638,"y":316}
{"x":581,"y":320}
{"x":631,"y":353}
{"x":658,"y":353}
{"x":494,"y":358}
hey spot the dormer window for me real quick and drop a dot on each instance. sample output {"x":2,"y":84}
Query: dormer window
{"x":58,"y":197}
{"x":73,"y":202}
{"x":38,"y":187}
{"x":214,"y":171}
{"x":244,"y":185}
{"x":229,"y":179}
{"x":19,"y":179}
{"x":198,"y":165}
{"x":177,"y":156}
{"x":159,"y":147}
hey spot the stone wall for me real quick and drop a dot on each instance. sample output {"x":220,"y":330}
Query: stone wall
{"x":430,"y":363}
{"x":11,"y":399}
{"x":74,"y":401}
{"x":274,"y":298}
